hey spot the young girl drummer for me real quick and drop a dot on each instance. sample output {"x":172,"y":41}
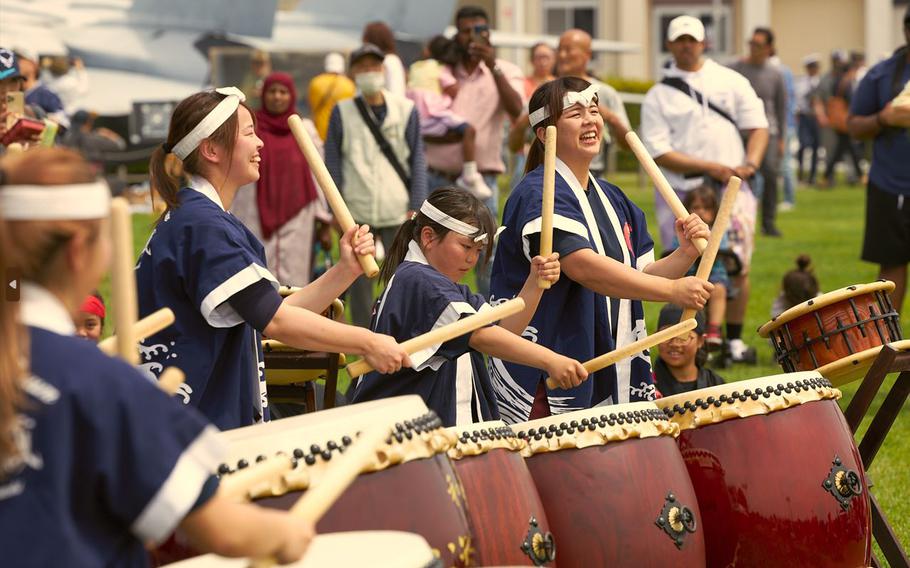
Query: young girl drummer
{"x":95,"y":461}
{"x":210,"y":270}
{"x":431,"y":253}
{"x":607,"y":259}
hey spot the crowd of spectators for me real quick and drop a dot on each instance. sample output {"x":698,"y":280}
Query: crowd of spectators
{"x":391,"y":134}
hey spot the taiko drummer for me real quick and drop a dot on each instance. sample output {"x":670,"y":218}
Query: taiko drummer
{"x":95,"y":461}
{"x":211,"y":271}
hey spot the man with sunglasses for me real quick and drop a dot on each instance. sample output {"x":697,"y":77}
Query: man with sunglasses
{"x":488,"y":93}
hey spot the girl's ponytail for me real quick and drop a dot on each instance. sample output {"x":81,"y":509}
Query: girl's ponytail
{"x":161,"y":179}
{"x":395,"y":253}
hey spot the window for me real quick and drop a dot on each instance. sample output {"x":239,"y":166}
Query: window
{"x":560,"y":15}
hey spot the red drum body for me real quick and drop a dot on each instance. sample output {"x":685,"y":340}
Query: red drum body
{"x":834,"y":326}
{"x":778,"y":477}
{"x":421,"y":496}
{"x":411,"y":485}
{"x":506,"y":515}
{"x":615,"y":488}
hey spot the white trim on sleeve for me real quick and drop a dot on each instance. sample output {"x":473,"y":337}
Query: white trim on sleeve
{"x":427,"y":357}
{"x":559,"y":222}
{"x":644,"y":260}
{"x":182,"y":487}
{"x":214,"y":308}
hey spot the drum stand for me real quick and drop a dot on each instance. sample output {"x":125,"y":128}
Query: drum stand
{"x":304,"y":361}
{"x":888,"y":361}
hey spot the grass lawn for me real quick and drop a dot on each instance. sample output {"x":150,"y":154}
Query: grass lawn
{"x":828,"y":226}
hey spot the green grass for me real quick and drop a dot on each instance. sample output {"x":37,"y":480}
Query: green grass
{"x":827,"y":225}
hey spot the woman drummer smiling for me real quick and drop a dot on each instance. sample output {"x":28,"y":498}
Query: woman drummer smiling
{"x":607,"y":261}
{"x":210,"y":270}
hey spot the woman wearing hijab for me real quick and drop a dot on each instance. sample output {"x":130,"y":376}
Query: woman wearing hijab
{"x":283,"y":210}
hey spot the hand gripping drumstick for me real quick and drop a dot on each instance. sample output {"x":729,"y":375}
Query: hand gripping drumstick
{"x":123,"y":281}
{"x":663,"y":186}
{"x":721,"y":222}
{"x":332,"y":195}
{"x":549,"y":190}
{"x":448,"y":332}
{"x":146,"y":327}
{"x":340,"y":473}
{"x":612,"y":357}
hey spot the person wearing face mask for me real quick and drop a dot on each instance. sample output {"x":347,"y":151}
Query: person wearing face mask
{"x":375,"y":154}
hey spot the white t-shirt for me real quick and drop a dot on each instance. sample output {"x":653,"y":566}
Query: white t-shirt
{"x":673,"y":121}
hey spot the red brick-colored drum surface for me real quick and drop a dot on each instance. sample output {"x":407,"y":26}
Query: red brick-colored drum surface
{"x":420,"y":496}
{"x":504,"y":509}
{"x":776,"y":488}
{"x":409,"y":485}
{"x":615,"y":488}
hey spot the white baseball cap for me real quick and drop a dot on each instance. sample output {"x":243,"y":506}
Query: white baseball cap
{"x":812,"y":58}
{"x":686,"y":25}
{"x":334,"y":63}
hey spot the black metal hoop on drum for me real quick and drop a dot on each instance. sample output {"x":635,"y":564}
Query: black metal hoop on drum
{"x":788,"y":356}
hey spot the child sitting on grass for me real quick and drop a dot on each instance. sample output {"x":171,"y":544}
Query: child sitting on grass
{"x":798,"y":285}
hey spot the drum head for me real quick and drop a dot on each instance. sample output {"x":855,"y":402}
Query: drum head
{"x":594,"y":427}
{"x":378,"y":549}
{"x":313,"y":439}
{"x":855,"y":366}
{"x":482,"y":437}
{"x":824,"y":300}
{"x":315,"y":428}
{"x":742,"y":399}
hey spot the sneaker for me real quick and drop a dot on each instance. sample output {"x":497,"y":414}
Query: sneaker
{"x":475,"y":185}
{"x":785,"y":206}
{"x":771,"y":232}
{"x":742,"y":353}
{"x":713,"y":341}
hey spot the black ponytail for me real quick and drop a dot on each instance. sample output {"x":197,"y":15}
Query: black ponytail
{"x":455,"y":202}
{"x":550,"y":95}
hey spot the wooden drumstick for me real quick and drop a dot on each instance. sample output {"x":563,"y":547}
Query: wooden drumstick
{"x":663,"y":186}
{"x":146,"y":327}
{"x":612,"y":357}
{"x":721,"y":222}
{"x":170,"y":380}
{"x":329,"y":189}
{"x":447,"y":332}
{"x":340,"y":473}
{"x":549,"y":191}
{"x":123,"y":281}
{"x":239,"y":485}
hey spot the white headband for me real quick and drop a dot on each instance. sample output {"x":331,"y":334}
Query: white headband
{"x":450,"y":222}
{"x":571,"y":98}
{"x":222,"y":111}
{"x":55,"y":202}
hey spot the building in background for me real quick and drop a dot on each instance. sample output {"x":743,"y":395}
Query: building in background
{"x":803,"y":26}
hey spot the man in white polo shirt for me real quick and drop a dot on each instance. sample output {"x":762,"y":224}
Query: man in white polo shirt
{"x":691,"y":123}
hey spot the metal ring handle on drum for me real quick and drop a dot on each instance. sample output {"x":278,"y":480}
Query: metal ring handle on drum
{"x":538,"y":545}
{"x":844,"y":484}
{"x":676,"y":520}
